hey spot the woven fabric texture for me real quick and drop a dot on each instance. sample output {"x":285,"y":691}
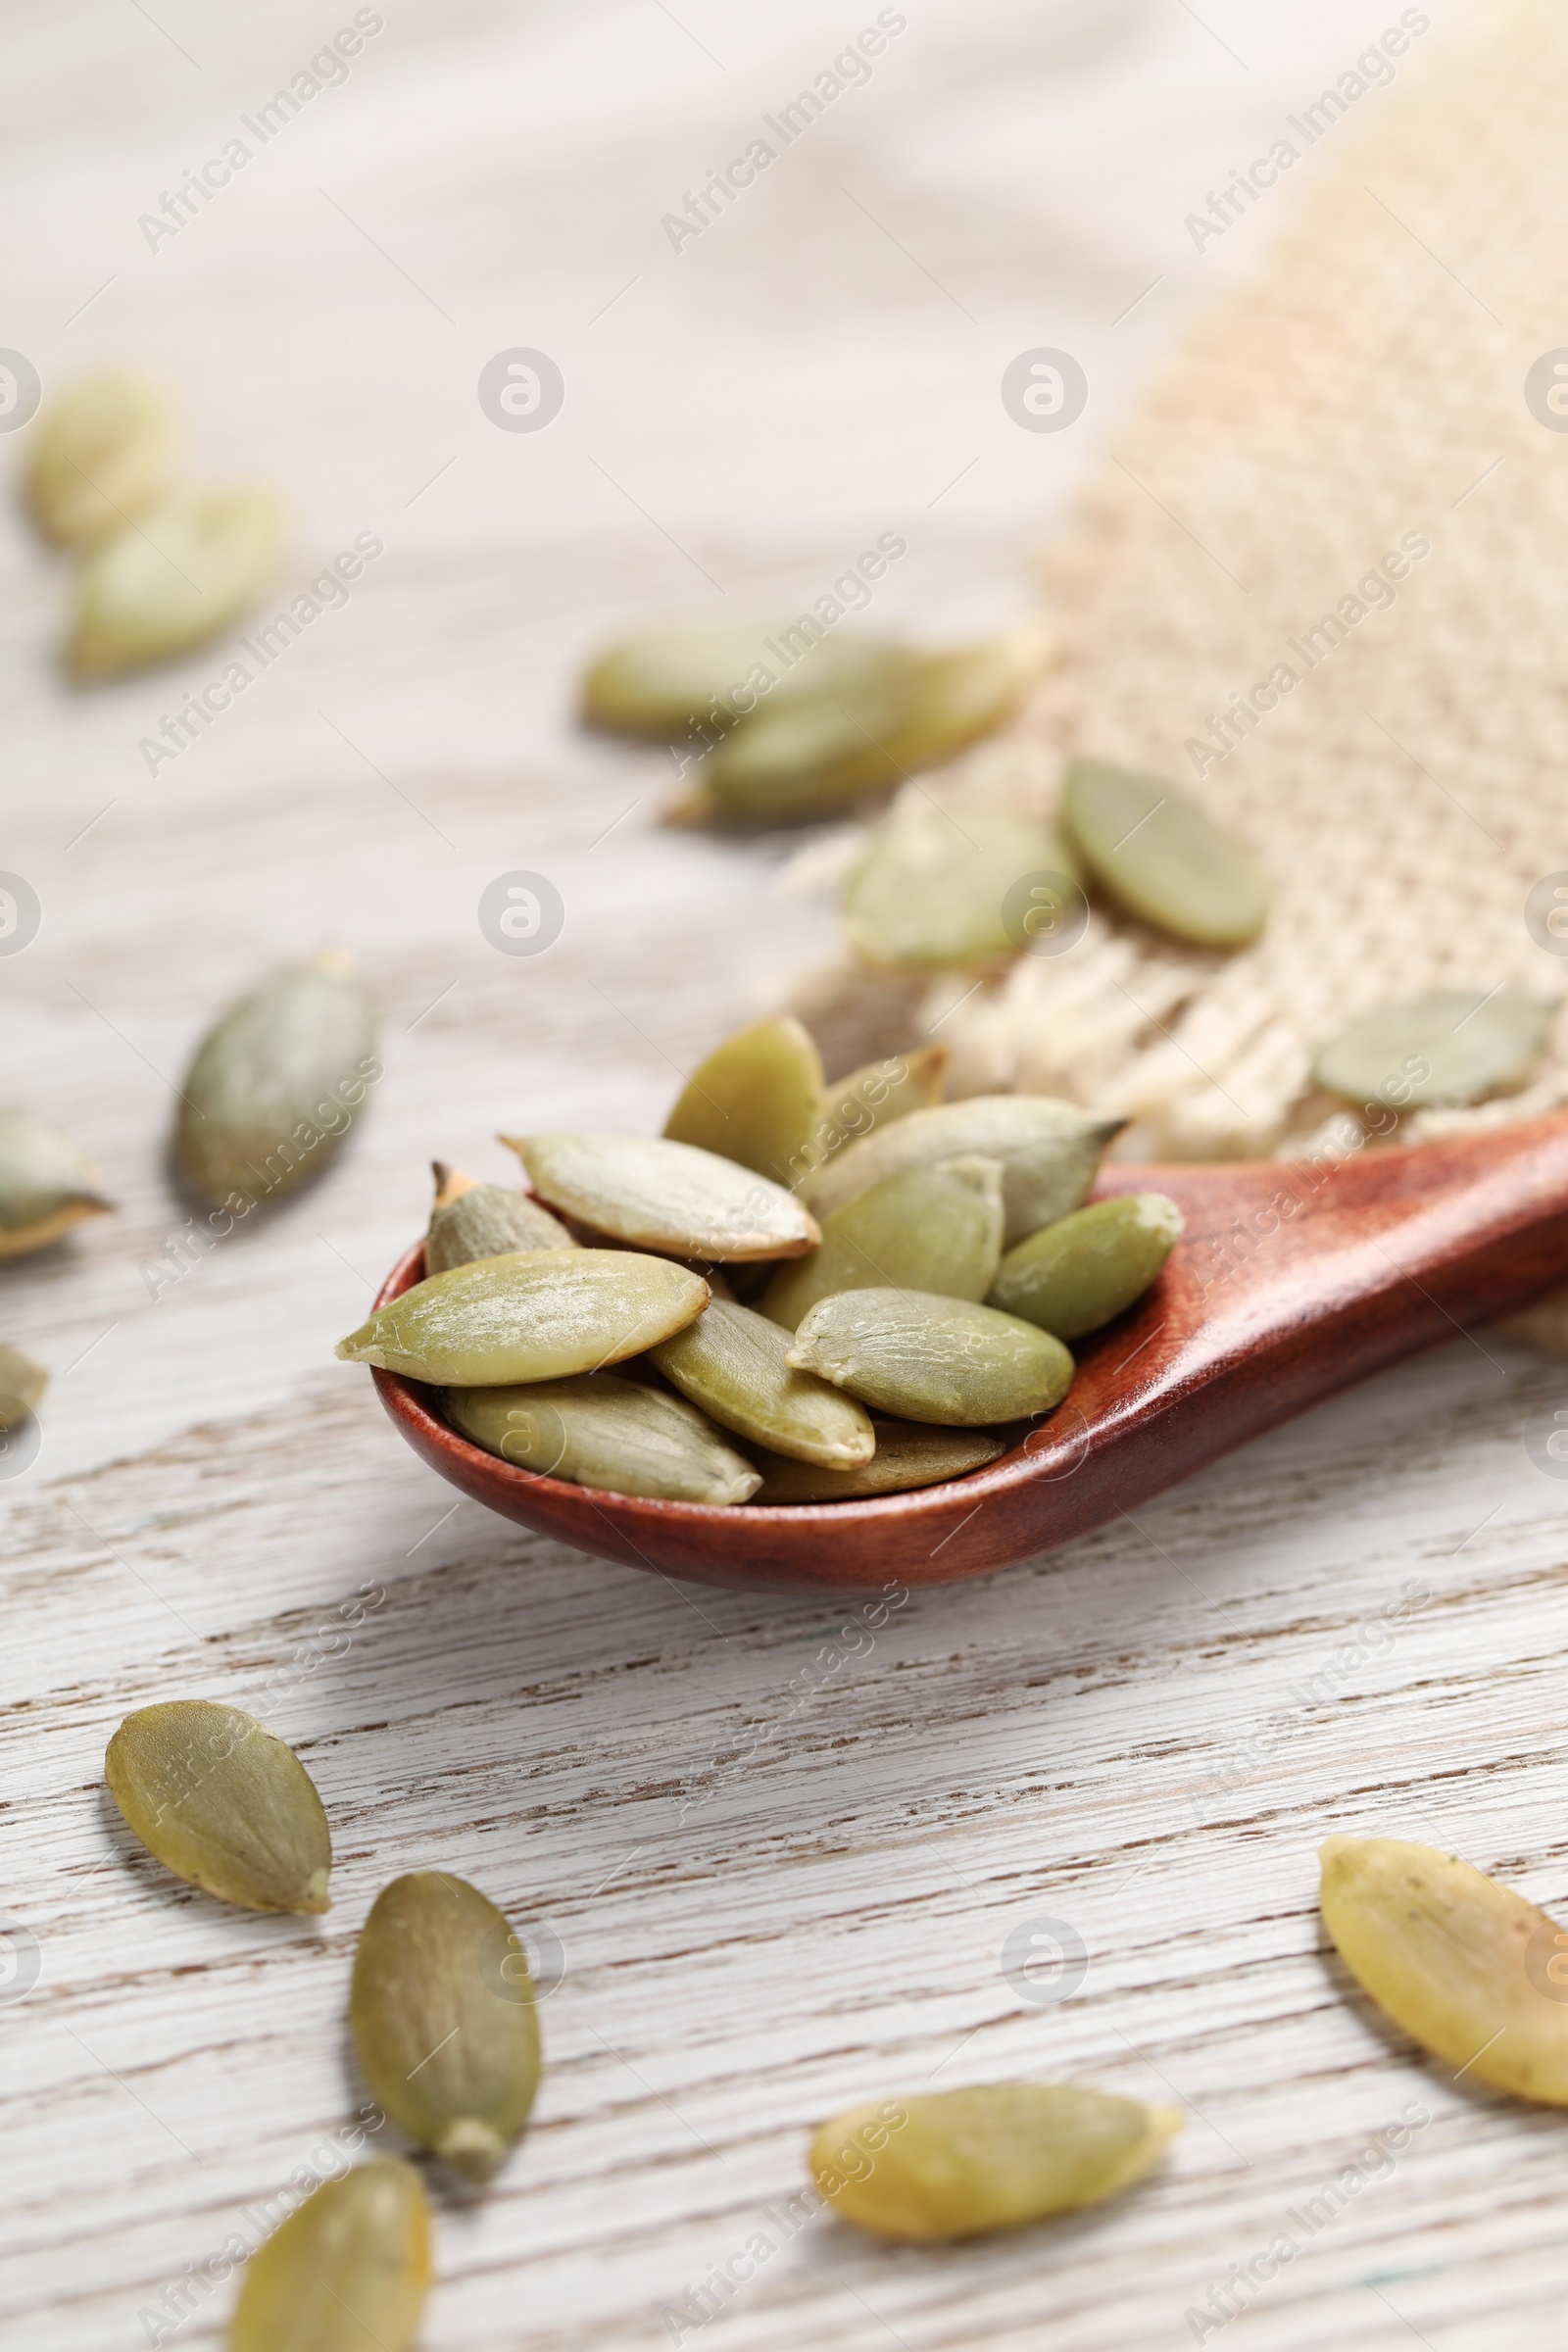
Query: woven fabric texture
{"x":1362,"y":397}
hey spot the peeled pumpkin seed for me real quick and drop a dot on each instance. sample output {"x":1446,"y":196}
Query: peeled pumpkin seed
{"x":926,"y":1358}
{"x":166,"y":584}
{"x":1072,"y":1276}
{"x":907,"y":1456}
{"x":730,"y":1363}
{"x":485,"y":1220}
{"x":275,"y":1086}
{"x":222,"y":1803}
{"x":21,"y":1384}
{"x":104,"y":451}
{"x":932,"y":886}
{"x":662,"y":1195}
{"x":817,"y":755}
{"x":1162,"y":857}
{"x":755,"y":1099}
{"x":1049,"y":1151}
{"x":598,"y":1430}
{"x":536,"y":1314}
{"x":349,"y":2269}
{"x":880,"y":1091}
{"x":1453,"y":1048}
{"x":1465,"y":1966}
{"x":445,"y":2025}
{"x":662,"y":682}
{"x":935,"y":1229}
{"x":963,"y":2162}
{"x":47,"y":1184}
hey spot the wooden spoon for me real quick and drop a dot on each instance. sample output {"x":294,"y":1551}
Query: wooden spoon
{"x":1293,"y":1279}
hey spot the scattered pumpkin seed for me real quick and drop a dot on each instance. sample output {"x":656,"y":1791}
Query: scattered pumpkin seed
{"x":930,"y":888}
{"x":1453,"y":1048}
{"x":1049,"y":1151}
{"x":350,"y":2268}
{"x":925,"y":1358}
{"x":104,"y":451}
{"x":816,"y":755}
{"x":222,"y":1803}
{"x":1162,"y":857}
{"x":444,"y":2021}
{"x":1465,"y":1966}
{"x":536,"y":1314}
{"x":598,"y":1430}
{"x":935,"y":1228}
{"x":662,"y":682}
{"x":907,"y":1456}
{"x":730,"y":1362}
{"x":964,"y":2162}
{"x":662,"y":1195}
{"x":167,"y":583}
{"x":1072,"y":1276}
{"x":21,"y":1384}
{"x":755,"y":1099}
{"x":485,"y":1220}
{"x":275,"y":1088}
{"x":47,"y":1184}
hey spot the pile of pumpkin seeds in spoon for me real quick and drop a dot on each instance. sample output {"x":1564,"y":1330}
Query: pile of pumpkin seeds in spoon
{"x":800,"y":1293}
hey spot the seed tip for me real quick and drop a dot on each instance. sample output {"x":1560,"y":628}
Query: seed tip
{"x":314,"y":1896}
{"x":474,"y":2146}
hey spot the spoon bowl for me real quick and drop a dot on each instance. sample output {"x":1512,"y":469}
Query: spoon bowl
{"x":1294,"y":1278}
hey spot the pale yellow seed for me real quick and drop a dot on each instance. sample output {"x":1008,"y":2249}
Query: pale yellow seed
{"x":177,"y":577}
{"x":102,"y":454}
{"x":1468,"y":1968}
{"x":959,"y":2163}
{"x":349,"y":2269}
{"x":754,"y":1099}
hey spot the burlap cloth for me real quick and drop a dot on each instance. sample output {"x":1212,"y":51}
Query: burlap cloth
{"x":1363,"y":390}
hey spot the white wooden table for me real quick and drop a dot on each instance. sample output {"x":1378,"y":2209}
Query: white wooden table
{"x":1358,"y":1624}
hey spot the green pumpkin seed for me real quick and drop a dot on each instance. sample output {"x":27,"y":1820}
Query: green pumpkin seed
{"x":606,"y":1433}
{"x":881,"y":1090}
{"x":730,"y":1362}
{"x":276,"y":1087}
{"x":755,"y":1099}
{"x":932,"y":887}
{"x":1462,"y":1964}
{"x":484,"y":1220}
{"x":1455,"y":1047}
{"x":708,"y":673}
{"x":538,"y":1315}
{"x":164,"y":585}
{"x":1076,"y":1274}
{"x":926,"y":1358}
{"x":103,"y":452}
{"x":662,"y":1195}
{"x":907,"y":1456}
{"x":47,"y":1184}
{"x":223,"y":1804}
{"x":934,"y":1229}
{"x":348,"y":2270}
{"x":1049,"y":1151}
{"x":958,"y":2163}
{"x":445,"y":2025}
{"x":1161,"y":857}
{"x":813,"y":757}
{"x":21,"y":1384}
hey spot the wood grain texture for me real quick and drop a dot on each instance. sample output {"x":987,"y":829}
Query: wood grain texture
{"x":780,"y":1846}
